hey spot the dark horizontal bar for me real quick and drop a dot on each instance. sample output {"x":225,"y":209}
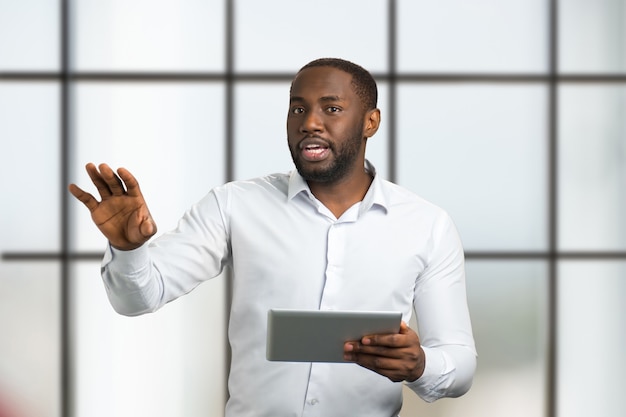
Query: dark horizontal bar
{"x":89,"y":256}
{"x":591,"y":255}
{"x":251,"y":77}
{"x":51,"y":256}
{"x":511,"y":78}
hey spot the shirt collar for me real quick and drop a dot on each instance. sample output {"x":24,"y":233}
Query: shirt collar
{"x":375,"y":196}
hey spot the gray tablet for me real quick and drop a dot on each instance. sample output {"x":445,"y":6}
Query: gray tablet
{"x":319,"y":336}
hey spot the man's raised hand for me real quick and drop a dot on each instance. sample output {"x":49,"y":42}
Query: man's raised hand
{"x":121,"y":214}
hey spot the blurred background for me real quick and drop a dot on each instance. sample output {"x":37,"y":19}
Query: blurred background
{"x":510,"y":114}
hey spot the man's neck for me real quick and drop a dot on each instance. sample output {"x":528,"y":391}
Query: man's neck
{"x":339,"y":196}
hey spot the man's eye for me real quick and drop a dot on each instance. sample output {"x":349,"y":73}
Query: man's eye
{"x":333,"y":109}
{"x":297,"y":110}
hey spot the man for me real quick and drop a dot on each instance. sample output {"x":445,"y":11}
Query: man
{"x":331,"y":235}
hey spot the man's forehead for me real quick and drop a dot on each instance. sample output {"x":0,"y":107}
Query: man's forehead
{"x":325,"y":82}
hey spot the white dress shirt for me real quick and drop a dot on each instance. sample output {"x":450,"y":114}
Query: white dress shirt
{"x":392,"y":251}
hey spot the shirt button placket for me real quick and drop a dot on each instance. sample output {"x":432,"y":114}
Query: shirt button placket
{"x":334,"y":268}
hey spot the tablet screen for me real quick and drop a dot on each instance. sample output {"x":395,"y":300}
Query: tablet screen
{"x":319,"y":336}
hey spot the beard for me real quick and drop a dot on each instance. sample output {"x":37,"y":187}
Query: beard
{"x":344,"y":158}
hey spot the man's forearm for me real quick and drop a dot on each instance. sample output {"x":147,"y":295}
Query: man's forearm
{"x":131,"y":287}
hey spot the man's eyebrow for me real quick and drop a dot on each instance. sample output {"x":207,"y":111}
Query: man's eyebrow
{"x":331,"y":98}
{"x":299,"y":99}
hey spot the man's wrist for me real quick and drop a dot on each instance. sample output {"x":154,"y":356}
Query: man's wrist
{"x":419,"y":369}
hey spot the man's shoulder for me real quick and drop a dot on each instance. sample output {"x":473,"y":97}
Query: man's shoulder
{"x":272,"y":183}
{"x":400,"y":195}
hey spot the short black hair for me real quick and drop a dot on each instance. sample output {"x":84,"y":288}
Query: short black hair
{"x":362,"y":81}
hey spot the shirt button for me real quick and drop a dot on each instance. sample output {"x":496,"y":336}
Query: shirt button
{"x":314,"y":401}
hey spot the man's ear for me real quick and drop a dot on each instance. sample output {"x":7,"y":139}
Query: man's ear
{"x":372,"y":121}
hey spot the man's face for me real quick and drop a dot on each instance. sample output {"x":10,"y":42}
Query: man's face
{"x":325,"y":125}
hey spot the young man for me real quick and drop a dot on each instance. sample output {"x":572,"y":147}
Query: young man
{"x":331,"y":235}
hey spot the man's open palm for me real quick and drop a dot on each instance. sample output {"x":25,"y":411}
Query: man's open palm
{"x":121,"y":214}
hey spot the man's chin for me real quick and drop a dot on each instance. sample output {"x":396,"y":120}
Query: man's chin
{"x":321,"y":174}
{"x":314,"y":175}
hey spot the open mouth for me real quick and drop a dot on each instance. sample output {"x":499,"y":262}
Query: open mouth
{"x":314,"y":149}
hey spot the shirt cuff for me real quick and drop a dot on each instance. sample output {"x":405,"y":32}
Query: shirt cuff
{"x":436,"y":377}
{"x":128,"y":261}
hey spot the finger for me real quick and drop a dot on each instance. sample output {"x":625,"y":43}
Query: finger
{"x":114,"y":182}
{"x":396,"y":368}
{"x":98,"y":181}
{"x":390,"y":368}
{"x":84,"y":197}
{"x":132,"y":185}
{"x":400,"y":339}
{"x":380,"y":351}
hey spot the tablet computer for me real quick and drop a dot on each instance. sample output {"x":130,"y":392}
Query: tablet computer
{"x":319,"y":336}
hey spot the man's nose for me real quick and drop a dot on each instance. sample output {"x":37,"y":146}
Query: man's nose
{"x":311,"y":122}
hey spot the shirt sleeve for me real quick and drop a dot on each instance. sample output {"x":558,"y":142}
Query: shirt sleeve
{"x":443,"y":319}
{"x":143,"y":280}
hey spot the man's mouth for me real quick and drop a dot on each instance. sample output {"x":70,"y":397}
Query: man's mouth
{"x":314,"y":149}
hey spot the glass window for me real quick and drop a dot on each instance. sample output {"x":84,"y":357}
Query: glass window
{"x":169,"y":363}
{"x":282,"y":35}
{"x":261,"y":139}
{"x":472,"y":36}
{"x":478,"y":151}
{"x":508,"y":307}
{"x":260,"y":129}
{"x":30,"y":380}
{"x":591,"y":338}
{"x":592,"y":167}
{"x":169,"y":135}
{"x":29,"y":35}
{"x":148,"y":35}
{"x":29,"y":166}
{"x":592,"y":36}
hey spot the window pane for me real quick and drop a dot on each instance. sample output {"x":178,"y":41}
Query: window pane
{"x":472,"y":36}
{"x":508,"y":307}
{"x":169,"y":135}
{"x":29,"y":351}
{"x":149,"y":35}
{"x":261,"y":138}
{"x":479,"y":152}
{"x":591,"y":339}
{"x":30,"y":167}
{"x":298,"y":32}
{"x":592,"y":36}
{"x":169,"y":363}
{"x":592,"y":167}
{"x":29,"y":35}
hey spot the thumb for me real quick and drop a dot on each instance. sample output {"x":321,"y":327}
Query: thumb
{"x":404,"y":328}
{"x":148,"y":228}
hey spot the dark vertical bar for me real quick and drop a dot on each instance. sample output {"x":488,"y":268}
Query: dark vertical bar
{"x":391,"y":64}
{"x":553,"y":91}
{"x":229,"y":93}
{"x":230,"y":154}
{"x":66,"y":386}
